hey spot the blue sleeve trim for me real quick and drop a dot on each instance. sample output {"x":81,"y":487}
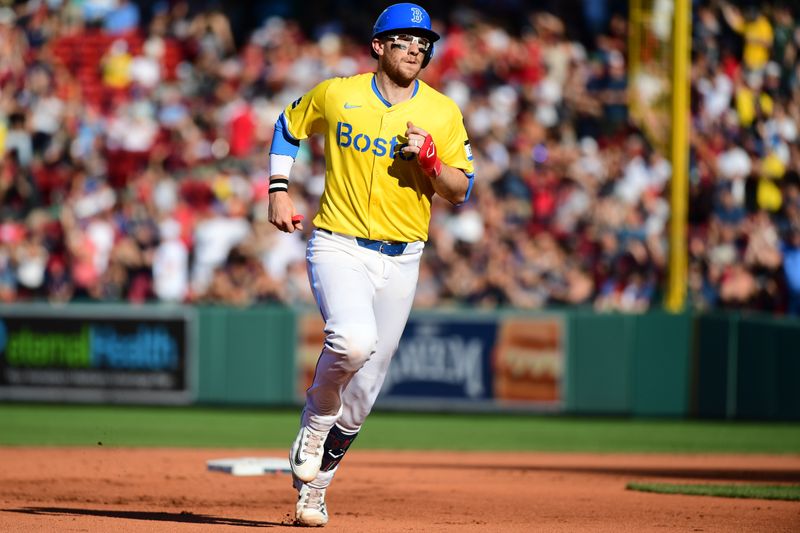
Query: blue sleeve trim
{"x":282,"y":141}
{"x":469,"y":189}
{"x":471,"y":178}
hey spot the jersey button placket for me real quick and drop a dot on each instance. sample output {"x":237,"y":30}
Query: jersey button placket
{"x":375,"y":182}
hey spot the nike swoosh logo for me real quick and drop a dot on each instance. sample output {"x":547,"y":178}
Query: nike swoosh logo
{"x":296,"y":459}
{"x":350,"y":106}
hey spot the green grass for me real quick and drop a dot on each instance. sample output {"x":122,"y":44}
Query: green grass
{"x":762,"y":492}
{"x":66,"y":425}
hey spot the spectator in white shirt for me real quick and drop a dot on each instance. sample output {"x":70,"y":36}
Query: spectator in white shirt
{"x":171,"y":264}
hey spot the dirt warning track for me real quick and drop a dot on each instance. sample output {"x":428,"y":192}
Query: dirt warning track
{"x":143,"y":490}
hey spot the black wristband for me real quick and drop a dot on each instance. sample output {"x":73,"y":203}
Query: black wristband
{"x":278,"y":184}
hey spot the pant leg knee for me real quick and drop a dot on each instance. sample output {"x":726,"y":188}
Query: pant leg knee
{"x":355,"y":342}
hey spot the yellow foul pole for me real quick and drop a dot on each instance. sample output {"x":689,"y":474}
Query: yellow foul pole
{"x":679,"y":151}
{"x":634,"y":51}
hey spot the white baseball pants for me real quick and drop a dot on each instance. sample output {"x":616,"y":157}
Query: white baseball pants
{"x":365,"y":298}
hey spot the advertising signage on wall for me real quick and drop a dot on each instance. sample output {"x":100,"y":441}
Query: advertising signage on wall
{"x":89,"y":355}
{"x":453,"y":360}
{"x":443,"y":359}
{"x":528,"y":360}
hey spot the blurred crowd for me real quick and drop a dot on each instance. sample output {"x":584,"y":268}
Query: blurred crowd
{"x":135,"y":149}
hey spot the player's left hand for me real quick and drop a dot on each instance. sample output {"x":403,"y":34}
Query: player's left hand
{"x":421,"y":143}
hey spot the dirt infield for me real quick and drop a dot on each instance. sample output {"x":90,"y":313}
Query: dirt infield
{"x":142,"y":490}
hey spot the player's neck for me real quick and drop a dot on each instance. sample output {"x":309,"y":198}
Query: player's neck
{"x":391,"y":89}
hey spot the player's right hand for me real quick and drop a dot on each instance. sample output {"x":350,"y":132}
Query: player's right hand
{"x":281,"y":213}
{"x":421,"y":143}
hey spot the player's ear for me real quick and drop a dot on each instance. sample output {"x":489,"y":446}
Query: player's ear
{"x":377,"y":47}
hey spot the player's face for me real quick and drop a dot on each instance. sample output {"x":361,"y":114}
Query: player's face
{"x":402,"y":56}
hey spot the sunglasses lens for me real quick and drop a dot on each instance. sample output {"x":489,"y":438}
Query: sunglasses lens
{"x":405,"y":41}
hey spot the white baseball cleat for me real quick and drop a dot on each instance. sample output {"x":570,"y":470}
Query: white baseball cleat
{"x":311,"y":509}
{"x":305,"y":457}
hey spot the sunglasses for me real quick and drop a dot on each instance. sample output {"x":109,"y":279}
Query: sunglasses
{"x":404,"y":41}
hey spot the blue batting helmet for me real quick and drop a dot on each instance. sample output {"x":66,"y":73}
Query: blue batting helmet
{"x":406,"y":17}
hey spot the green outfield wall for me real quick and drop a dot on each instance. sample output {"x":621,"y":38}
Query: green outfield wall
{"x":246,"y":356}
{"x":747,"y":366}
{"x":629,"y":364}
{"x":724,"y":365}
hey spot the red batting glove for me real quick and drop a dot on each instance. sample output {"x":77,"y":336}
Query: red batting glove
{"x":428,"y":159}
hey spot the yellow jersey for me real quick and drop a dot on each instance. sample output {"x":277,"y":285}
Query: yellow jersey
{"x":756,"y":33}
{"x":372,"y":190}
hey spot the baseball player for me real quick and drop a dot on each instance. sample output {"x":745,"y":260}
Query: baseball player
{"x":391,"y":143}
